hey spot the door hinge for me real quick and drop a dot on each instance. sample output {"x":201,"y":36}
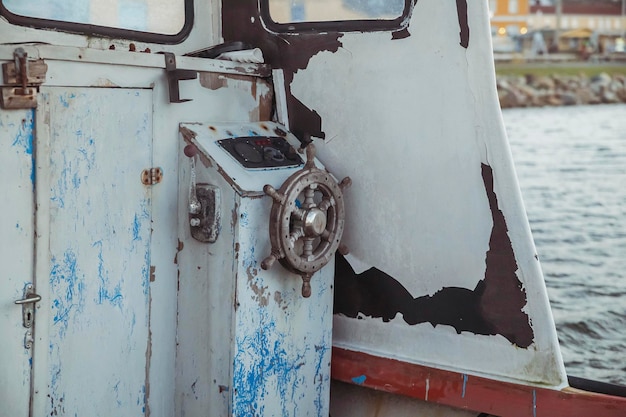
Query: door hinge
{"x":151,"y":176}
{"x":23,"y":78}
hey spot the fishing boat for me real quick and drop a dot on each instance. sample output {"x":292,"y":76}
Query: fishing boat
{"x":266,"y":208}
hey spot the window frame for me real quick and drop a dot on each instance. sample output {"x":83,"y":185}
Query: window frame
{"x":87,"y":29}
{"x":364,"y":25}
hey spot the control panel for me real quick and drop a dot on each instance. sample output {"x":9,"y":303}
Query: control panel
{"x":261,"y":152}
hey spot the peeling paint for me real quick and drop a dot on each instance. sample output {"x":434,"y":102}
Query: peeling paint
{"x":259,"y":291}
{"x":494,"y":306}
{"x":464,"y":33}
{"x":464,"y":385}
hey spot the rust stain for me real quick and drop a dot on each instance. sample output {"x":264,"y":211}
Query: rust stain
{"x":152,"y":273}
{"x":179,"y":248}
{"x":188,"y":134}
{"x":278,"y":298}
{"x":148,"y":357}
{"x":234,"y":219}
{"x":266,"y":102}
{"x":213,"y":81}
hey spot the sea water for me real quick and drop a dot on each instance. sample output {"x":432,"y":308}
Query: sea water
{"x":571,"y":165}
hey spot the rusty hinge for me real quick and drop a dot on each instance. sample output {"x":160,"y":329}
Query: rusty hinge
{"x":26,"y":76}
{"x":151,"y":176}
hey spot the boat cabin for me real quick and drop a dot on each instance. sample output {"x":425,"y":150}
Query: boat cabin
{"x":265,"y":208}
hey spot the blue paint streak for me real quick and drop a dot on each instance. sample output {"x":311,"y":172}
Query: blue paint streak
{"x":105,"y":293}
{"x":145,"y":272}
{"x":464,"y":385}
{"x":75,"y":169}
{"x":360,"y":380}
{"x":136,"y":228}
{"x":66,"y":288}
{"x":321,"y":376}
{"x":534,"y":403}
{"x":263,"y":357}
{"x":64,"y":99}
{"x":25,"y":139}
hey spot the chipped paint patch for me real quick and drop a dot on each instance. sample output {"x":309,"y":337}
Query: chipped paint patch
{"x":359,"y":380}
{"x":464,"y":385}
{"x":256,"y":285}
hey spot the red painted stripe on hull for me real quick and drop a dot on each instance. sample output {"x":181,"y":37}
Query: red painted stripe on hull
{"x":469,"y":392}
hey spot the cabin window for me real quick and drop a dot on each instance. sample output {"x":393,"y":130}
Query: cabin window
{"x":165,"y":21}
{"x":304,"y":14}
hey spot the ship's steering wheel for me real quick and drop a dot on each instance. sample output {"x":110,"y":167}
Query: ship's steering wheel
{"x":306,"y":221}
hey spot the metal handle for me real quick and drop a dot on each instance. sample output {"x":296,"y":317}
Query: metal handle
{"x":32,"y":298}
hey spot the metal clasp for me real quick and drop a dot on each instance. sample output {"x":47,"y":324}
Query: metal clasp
{"x":25,"y":76}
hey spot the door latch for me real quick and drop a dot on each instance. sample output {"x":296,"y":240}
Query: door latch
{"x":28,"y":305}
{"x":23,"y":77}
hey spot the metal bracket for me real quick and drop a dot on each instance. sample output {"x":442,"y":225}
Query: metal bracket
{"x":175,"y":75}
{"x":205,"y":220}
{"x":26,"y":76}
{"x":151,"y":176}
{"x":28,"y":339}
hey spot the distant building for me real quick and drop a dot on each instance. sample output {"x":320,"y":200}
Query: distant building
{"x":582,"y":24}
{"x":597,"y":25}
{"x":602,"y":16}
{"x":509,"y":17}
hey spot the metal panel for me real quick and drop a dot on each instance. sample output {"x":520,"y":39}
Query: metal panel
{"x":446,"y":246}
{"x":248,"y":343}
{"x":282,"y":340}
{"x":16,"y":257}
{"x":97,"y":313}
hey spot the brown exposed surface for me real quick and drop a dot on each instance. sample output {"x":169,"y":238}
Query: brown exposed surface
{"x":493,"y":307}
{"x":504,"y":296}
{"x":242,"y":22}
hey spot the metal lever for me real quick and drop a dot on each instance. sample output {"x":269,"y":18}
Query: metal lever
{"x":33,"y":298}
{"x":28,"y":305}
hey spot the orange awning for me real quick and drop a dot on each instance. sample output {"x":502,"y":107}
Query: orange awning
{"x":577,"y":33}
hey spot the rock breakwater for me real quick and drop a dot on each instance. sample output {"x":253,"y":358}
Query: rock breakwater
{"x":560,"y":90}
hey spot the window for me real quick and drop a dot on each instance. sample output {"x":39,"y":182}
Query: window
{"x":513,"y":6}
{"x":289,"y":12}
{"x":163,"y":18}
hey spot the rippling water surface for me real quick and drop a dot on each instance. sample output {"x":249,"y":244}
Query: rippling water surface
{"x":571,"y":164}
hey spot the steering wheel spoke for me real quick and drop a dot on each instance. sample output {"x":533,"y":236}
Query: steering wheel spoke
{"x":316,"y":227}
{"x":326,"y":203}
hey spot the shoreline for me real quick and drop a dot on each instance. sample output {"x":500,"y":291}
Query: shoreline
{"x":528,"y":87}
